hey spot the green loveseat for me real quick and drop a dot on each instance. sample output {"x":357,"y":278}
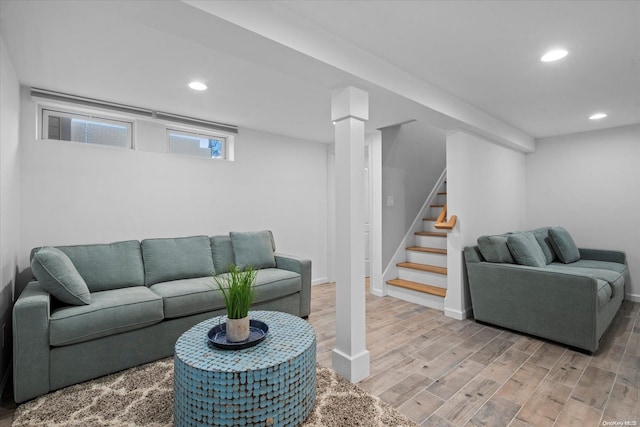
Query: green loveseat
{"x":123,"y":304}
{"x":540,"y":283}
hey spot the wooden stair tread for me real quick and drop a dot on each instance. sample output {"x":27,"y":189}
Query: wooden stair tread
{"x":431,"y":233}
{"x":442,"y":193}
{"x":430,"y":218}
{"x":429,"y":250}
{"x":423,"y":267}
{"x":419,"y":287}
{"x":437,"y":206}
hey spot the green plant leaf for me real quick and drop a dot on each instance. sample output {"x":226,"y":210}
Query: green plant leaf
{"x":238,"y":291}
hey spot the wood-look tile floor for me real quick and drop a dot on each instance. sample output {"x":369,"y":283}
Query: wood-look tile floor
{"x":445,"y":372}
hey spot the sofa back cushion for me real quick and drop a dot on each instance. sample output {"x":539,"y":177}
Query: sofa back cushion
{"x":542,"y":236}
{"x":108,"y":266}
{"x":253,"y":248}
{"x":176,"y":258}
{"x":563,"y":245}
{"x":525,"y":249}
{"x":495,"y":249}
{"x":58,"y":276}
{"x":222,"y":253}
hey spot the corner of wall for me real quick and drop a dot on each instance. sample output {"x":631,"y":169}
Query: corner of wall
{"x":10,"y":200}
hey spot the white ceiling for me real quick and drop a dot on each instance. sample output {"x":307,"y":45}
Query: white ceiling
{"x":484,"y":53}
{"x":487,"y":54}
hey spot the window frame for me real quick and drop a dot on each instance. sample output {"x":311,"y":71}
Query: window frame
{"x":138,"y":121}
{"x":227,"y":141}
{"x":45,"y":111}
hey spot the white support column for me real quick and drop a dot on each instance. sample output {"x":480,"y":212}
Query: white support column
{"x":349,"y":111}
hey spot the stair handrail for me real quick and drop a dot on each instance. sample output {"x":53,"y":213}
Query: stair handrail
{"x":442,"y":223}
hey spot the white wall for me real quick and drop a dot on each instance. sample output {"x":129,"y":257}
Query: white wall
{"x":9,"y":200}
{"x":486,"y":190}
{"x":76,"y":193}
{"x":588,"y":183}
{"x":413,"y":158}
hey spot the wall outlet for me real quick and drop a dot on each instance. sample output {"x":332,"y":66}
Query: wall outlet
{"x":390,"y":201}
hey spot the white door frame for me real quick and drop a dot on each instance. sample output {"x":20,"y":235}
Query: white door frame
{"x":374,"y":142}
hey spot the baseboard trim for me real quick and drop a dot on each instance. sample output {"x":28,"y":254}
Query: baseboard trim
{"x":320,"y":281}
{"x":378,"y":293}
{"x":457,"y":314}
{"x":632,"y":297}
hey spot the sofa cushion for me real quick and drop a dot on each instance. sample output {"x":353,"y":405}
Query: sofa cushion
{"x":58,"y":276}
{"x":108,"y":266}
{"x":542,"y":236}
{"x":600,"y":265}
{"x":222,"y":253}
{"x":617,"y":287}
{"x":274,"y":283}
{"x":189,"y":296}
{"x":253,"y":248}
{"x":604,"y":293}
{"x":563,"y":245}
{"x":176,"y":258}
{"x":110,"y":312}
{"x":494,"y":248}
{"x":525,"y":249}
{"x":611,"y":276}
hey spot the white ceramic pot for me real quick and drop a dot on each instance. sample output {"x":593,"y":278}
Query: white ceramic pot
{"x":238,"y":329}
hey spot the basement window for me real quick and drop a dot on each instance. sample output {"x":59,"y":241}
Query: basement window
{"x":88,"y":129}
{"x":66,"y":117}
{"x":204,"y":145}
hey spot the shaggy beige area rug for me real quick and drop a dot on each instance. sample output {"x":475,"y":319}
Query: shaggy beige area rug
{"x":143,"y":397}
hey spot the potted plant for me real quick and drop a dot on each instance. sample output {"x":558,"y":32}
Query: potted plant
{"x":238,"y":292}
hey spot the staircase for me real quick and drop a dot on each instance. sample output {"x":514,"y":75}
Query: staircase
{"x":422,"y":277}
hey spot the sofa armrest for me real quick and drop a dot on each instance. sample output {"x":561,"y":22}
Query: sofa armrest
{"x":556,"y":305}
{"x":603,"y":255}
{"x":31,"y":343}
{"x":303,"y":268}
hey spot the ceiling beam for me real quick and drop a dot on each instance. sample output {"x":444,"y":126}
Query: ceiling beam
{"x":276,"y":22}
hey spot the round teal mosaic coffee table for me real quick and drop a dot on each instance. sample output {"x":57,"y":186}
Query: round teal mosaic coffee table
{"x":271,"y":384}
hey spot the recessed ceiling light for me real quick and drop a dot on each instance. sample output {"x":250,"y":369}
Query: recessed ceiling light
{"x":554,"y":55}
{"x":198,"y":86}
{"x":598,"y":116}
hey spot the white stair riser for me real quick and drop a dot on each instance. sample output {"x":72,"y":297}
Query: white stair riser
{"x":427,"y":300}
{"x":434,"y":211}
{"x":440,"y":199}
{"x":429,"y":226}
{"x":428,"y":258}
{"x":431,"y":242}
{"x":424,"y":277}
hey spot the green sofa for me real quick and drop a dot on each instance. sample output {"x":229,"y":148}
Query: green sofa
{"x":100,"y":308}
{"x":540,"y":283}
